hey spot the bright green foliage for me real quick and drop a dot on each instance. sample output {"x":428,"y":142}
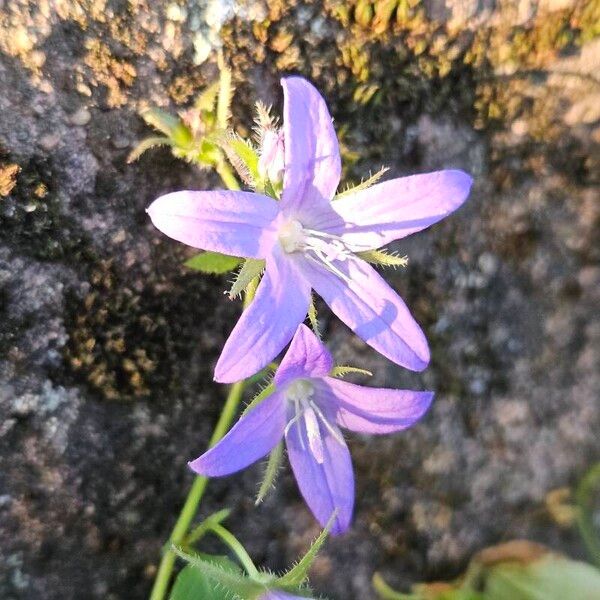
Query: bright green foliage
{"x":213,"y":263}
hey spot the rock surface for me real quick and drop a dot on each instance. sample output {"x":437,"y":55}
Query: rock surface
{"x":107,"y":343}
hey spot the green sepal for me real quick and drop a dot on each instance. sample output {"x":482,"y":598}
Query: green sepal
{"x":251,"y":269}
{"x":343,"y":370}
{"x":363,"y":185}
{"x":243,"y":157}
{"x":383,"y":258}
{"x":171,"y":126}
{"x":270,"y":474}
{"x":146,"y":144}
{"x":213,"y":263}
{"x":267,"y":391}
{"x":222,"y":575}
{"x":298,"y":574}
{"x":312,"y":317}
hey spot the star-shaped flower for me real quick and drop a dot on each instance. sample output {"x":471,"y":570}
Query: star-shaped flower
{"x":310,"y":242}
{"x":307,"y":408}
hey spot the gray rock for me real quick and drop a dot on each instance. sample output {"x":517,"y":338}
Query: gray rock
{"x":107,"y":343}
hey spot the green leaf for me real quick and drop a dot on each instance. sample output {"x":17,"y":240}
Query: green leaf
{"x":343,"y":370}
{"x":221,"y":575}
{"x":193,"y":584}
{"x":549,"y":578}
{"x":251,"y":269}
{"x":213,"y":263}
{"x":267,"y":391}
{"x":146,"y":144}
{"x":383,"y":258}
{"x":270,"y":474}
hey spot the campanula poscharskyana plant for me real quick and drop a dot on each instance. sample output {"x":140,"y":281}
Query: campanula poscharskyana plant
{"x":292,"y":234}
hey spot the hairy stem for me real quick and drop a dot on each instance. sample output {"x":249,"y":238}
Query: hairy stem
{"x":227,"y":175}
{"x":236,"y":548}
{"x":190,"y":507}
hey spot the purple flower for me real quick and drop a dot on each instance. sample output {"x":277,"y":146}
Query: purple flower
{"x":310,"y":242}
{"x":307,"y":408}
{"x":279,"y":595}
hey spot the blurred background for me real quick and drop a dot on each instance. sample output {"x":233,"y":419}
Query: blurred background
{"x":107,"y":342}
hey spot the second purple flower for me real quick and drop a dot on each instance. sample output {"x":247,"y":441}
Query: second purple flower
{"x":307,"y":408}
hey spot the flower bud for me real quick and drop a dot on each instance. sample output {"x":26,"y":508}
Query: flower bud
{"x":271,"y":161}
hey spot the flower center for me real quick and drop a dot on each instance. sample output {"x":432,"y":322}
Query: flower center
{"x":317,"y":246}
{"x":300,"y":393}
{"x":300,"y":390}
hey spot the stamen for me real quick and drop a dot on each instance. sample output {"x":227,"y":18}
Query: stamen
{"x":319,"y":247}
{"x":334,"y":432}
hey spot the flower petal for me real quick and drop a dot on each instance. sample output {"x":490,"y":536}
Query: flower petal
{"x":373,"y":410}
{"x":394,"y":209}
{"x":235,"y":223}
{"x":268,"y":324}
{"x":280,"y":595}
{"x":307,"y":356}
{"x":312,"y":157}
{"x":372,"y":309}
{"x":251,"y":438}
{"x":326,"y":486}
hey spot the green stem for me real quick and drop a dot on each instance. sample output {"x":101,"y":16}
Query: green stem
{"x":190,"y":508}
{"x":229,"y":179}
{"x":237,"y":549}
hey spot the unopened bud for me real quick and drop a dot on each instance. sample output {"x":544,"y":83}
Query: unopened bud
{"x":271,"y":161}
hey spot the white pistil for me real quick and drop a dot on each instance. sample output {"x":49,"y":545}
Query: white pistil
{"x":301,"y":392}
